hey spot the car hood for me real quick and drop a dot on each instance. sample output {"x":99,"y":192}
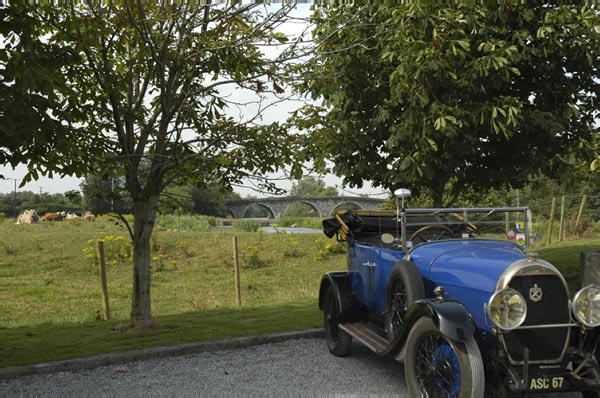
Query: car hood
{"x":471,"y":264}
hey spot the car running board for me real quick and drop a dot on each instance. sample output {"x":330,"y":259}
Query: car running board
{"x":366,"y":335}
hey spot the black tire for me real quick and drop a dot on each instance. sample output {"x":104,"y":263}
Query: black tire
{"x":436,"y":366}
{"x":338,"y":341}
{"x":405,"y":286}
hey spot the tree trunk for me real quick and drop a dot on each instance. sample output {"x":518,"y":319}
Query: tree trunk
{"x":144,"y":215}
{"x":437,"y":195}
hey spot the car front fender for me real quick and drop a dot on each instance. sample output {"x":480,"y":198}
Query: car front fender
{"x":449,"y":316}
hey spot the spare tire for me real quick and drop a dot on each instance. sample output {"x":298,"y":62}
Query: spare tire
{"x":404,"y":287}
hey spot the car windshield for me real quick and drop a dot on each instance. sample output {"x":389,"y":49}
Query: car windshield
{"x":511,"y":223}
{"x":418,"y":226}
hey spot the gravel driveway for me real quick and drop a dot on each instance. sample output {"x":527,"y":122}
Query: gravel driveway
{"x":295,"y":367}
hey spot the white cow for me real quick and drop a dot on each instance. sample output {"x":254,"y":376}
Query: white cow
{"x":71,"y":216}
{"x":28,"y":217}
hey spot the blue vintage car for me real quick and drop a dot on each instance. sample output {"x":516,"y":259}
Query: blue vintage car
{"x":454,"y":294}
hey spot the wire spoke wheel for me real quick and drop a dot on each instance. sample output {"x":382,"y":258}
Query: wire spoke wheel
{"x":437,"y":369}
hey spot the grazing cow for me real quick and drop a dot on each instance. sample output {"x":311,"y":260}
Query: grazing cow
{"x":89,"y":216}
{"x":28,"y":217}
{"x":71,"y":216}
{"x":52,"y":217}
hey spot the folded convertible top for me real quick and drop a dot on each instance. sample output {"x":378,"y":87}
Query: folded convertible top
{"x":368,"y":226}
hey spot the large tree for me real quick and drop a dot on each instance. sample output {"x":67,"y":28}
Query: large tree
{"x":441,"y":96}
{"x":313,"y":187}
{"x":308,"y":187}
{"x":157,"y":86}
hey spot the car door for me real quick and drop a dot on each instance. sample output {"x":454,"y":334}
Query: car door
{"x":384,"y":262}
{"x":363,"y":274}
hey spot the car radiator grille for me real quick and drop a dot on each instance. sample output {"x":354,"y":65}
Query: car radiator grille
{"x":544,"y":344}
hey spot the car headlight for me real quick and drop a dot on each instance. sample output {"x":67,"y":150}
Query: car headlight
{"x":586,"y":306}
{"x":507,"y":309}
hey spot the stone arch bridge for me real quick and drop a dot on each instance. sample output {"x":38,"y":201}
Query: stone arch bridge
{"x":324,"y":206}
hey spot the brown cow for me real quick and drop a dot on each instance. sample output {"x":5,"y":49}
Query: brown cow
{"x":52,"y":217}
{"x":89,"y":216}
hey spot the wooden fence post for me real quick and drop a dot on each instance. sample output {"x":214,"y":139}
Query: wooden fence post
{"x":236,"y":264}
{"x":561,"y":231}
{"x":552,"y":211}
{"x":102,"y":266}
{"x":580,"y":212}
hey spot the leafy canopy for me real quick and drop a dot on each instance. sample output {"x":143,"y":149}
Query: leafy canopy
{"x":438,"y":97}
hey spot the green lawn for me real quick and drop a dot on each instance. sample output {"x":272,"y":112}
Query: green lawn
{"x":50,"y":294}
{"x":50,"y":290}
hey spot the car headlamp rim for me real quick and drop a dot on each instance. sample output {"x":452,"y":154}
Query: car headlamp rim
{"x":574,"y":304}
{"x":502,"y":292}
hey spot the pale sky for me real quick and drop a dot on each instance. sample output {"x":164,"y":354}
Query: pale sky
{"x":61,"y":185}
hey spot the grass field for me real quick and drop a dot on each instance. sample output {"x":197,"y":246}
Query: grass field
{"x":50,"y":287}
{"x":48,"y":271}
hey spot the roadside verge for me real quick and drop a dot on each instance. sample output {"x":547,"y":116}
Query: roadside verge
{"x":117,"y":358}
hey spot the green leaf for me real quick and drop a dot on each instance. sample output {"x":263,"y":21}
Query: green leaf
{"x":541,"y":33}
{"x":432,"y":144}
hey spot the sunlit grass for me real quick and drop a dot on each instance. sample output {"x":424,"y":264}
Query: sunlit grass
{"x":191,"y":271}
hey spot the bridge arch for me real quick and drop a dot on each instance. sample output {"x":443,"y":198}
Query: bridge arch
{"x":304,"y":202}
{"x":261,"y":205}
{"x":324,"y":206}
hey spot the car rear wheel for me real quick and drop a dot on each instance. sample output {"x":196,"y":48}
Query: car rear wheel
{"x":338,"y":341}
{"x":405,"y":286}
{"x":436,"y":366}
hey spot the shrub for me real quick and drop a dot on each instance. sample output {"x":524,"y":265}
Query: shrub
{"x":189,"y":223}
{"x":251,"y":259}
{"x":577,"y":231}
{"x":290,"y":247}
{"x":246,"y":226}
{"x":115,"y":249}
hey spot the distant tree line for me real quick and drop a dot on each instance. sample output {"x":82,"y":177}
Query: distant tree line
{"x":102,"y":196}
{"x":11,"y":204}
{"x":537,"y":194}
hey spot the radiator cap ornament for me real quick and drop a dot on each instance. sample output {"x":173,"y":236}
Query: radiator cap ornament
{"x":535,"y":293}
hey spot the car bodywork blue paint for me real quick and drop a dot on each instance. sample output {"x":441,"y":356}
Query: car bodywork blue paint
{"x":467,"y":268}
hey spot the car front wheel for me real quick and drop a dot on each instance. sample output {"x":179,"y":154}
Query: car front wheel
{"x":338,"y":341}
{"x":436,"y":366}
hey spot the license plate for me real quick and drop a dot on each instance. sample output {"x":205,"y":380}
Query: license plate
{"x":547,"y":383}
